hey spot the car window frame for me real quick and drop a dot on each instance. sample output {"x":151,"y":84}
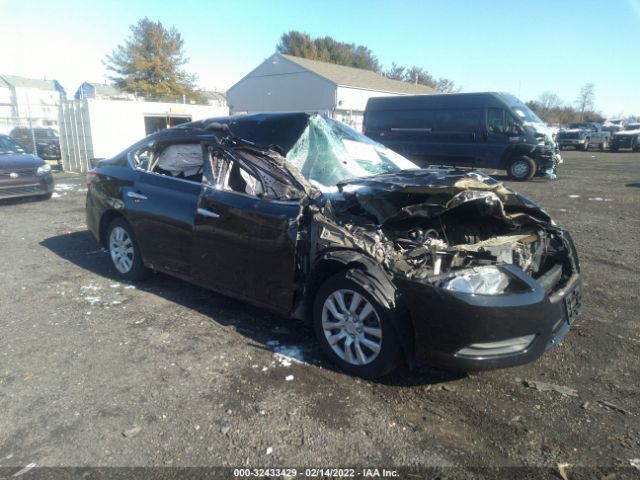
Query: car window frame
{"x":153,"y":144}
{"x":250,"y":168}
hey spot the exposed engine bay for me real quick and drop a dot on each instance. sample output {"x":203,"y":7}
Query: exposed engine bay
{"x":445,"y":227}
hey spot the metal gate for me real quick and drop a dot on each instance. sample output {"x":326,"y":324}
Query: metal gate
{"x":76,"y":143}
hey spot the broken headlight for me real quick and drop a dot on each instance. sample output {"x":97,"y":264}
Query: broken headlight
{"x":486,"y":280}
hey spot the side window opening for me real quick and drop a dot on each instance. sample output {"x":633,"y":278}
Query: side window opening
{"x":246,"y":172}
{"x":226,"y":173}
{"x":500,"y":122}
{"x":183,"y":160}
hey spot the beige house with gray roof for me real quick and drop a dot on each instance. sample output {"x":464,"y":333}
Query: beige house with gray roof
{"x":28,"y":102}
{"x":284,"y":83}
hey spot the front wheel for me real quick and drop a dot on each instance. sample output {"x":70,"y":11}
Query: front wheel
{"x":521,"y":169}
{"x":124,"y":251}
{"x":354,"y":330}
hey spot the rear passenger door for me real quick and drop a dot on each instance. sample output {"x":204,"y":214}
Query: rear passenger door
{"x":455,"y":135}
{"x":161,"y":208}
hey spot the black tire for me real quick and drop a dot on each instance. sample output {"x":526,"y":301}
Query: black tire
{"x":585,"y":146}
{"x":389,"y":354}
{"x":46,"y":196}
{"x":521,"y":169}
{"x":635,"y":145}
{"x":604,"y":145}
{"x":613,"y":149}
{"x":137,"y":271}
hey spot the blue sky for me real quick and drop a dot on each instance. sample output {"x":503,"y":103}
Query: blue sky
{"x":522,"y":47}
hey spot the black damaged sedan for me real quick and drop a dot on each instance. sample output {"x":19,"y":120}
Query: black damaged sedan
{"x":308,"y":218}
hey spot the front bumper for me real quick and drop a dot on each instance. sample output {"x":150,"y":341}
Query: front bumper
{"x":570,"y":142}
{"x":26,"y":186}
{"x":622,"y":142}
{"x":448,"y":322}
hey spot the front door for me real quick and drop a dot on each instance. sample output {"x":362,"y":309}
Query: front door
{"x":244,"y":243}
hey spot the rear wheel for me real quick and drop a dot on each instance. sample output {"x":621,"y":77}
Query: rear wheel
{"x":355,"y":330}
{"x":124,"y":251}
{"x":46,"y":196}
{"x":521,"y":169}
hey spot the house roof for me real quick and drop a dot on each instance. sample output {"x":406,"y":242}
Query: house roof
{"x":358,"y":77}
{"x":102,"y":89}
{"x":24,"y":82}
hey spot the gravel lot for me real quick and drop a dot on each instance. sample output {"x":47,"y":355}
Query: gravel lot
{"x":94,"y":372}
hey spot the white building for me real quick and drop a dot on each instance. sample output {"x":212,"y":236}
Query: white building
{"x":96,"y":128}
{"x":28,"y":102}
{"x":284,"y":83}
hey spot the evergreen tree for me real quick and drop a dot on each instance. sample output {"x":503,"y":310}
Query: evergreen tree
{"x":150,"y":63}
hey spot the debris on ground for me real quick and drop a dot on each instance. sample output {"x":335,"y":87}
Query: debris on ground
{"x":562,"y":470}
{"x":548,"y":387}
{"x":132,"y":432}
{"x":614,"y":407}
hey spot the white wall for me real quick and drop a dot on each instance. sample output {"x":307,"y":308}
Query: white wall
{"x":94,"y":128}
{"x":117,"y":124}
{"x":278,"y":85}
{"x":352,"y":102}
{"x":350,"y":98}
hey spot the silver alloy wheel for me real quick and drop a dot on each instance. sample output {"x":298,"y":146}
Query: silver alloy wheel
{"x":352,"y":327}
{"x":520,"y":169}
{"x":121,"y":249}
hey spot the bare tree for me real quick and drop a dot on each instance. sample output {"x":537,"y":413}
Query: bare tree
{"x":548,"y":101}
{"x":584,"y":102}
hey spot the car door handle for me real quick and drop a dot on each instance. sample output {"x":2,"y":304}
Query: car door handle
{"x":208,"y":213}
{"x":136,"y":196}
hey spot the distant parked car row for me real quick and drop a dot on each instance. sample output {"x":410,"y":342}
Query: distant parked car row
{"x":47,"y":141}
{"x":627,"y":138}
{"x":584,"y":135}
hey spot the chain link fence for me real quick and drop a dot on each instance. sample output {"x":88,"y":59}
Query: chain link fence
{"x":35,"y":129}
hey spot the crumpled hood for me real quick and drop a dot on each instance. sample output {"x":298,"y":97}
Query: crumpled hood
{"x":17,"y":161}
{"x":429,"y":192}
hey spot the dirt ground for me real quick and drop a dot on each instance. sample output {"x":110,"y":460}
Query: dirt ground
{"x":94,"y":372}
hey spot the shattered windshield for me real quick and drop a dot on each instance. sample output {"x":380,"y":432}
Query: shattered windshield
{"x":329,"y":152}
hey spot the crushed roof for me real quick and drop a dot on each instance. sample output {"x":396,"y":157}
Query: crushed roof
{"x":358,"y":77}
